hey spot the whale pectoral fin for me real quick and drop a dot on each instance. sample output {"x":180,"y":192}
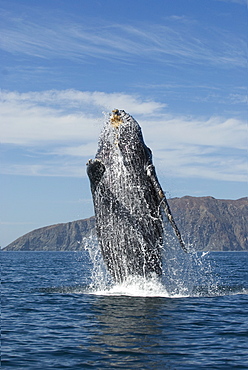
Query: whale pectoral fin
{"x":168,"y":213}
{"x":150,"y":171}
{"x":95,"y":170}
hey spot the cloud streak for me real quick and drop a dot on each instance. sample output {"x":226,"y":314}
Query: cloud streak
{"x":178,"y":39}
{"x":58,"y":131}
{"x":62,"y":116}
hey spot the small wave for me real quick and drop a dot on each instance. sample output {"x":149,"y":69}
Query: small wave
{"x":64,"y":289}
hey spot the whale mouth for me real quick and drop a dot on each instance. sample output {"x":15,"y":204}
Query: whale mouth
{"x":115,"y":118}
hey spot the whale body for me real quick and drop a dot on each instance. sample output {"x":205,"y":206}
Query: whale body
{"x":128,"y":200}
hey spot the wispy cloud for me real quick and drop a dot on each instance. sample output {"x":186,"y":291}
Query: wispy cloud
{"x":175,"y":40}
{"x":59,"y":131}
{"x":212,"y":132}
{"x":214,"y":148}
{"x":238,"y":98}
{"x":62,"y":116}
{"x":52,"y":168}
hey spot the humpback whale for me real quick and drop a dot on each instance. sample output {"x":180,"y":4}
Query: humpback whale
{"x":128,"y":200}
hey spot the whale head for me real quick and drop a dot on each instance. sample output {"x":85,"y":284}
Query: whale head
{"x":122,"y":135}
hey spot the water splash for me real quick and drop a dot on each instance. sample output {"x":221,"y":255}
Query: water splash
{"x":136,"y":239}
{"x":184,"y":275}
{"x":187,"y":274}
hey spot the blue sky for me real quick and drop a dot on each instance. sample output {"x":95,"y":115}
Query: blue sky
{"x":179,"y":67}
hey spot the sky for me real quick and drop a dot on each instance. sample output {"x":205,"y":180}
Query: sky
{"x":178,"y":67}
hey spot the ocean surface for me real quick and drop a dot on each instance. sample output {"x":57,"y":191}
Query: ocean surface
{"x":60,"y":312}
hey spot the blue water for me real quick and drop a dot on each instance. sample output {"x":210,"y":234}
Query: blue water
{"x":52,"y":318}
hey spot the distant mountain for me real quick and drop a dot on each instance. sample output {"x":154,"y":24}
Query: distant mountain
{"x":205,"y":222}
{"x":212,"y":224}
{"x":61,"y":237}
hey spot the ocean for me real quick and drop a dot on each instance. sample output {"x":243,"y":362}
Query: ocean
{"x":57,"y":313}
